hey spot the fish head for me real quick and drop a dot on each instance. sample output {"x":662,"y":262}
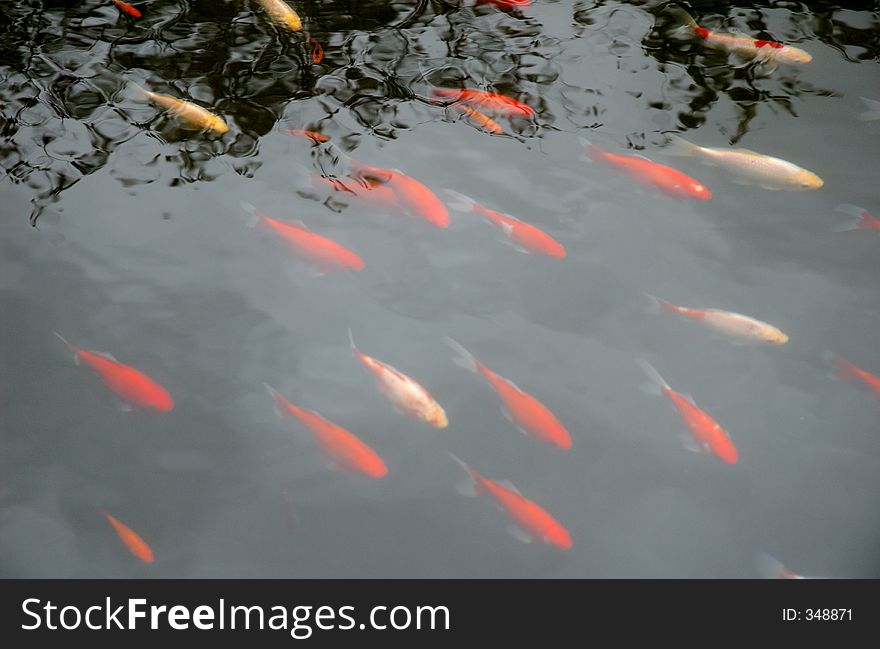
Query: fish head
{"x":699,"y":191}
{"x":725,"y":450}
{"x":796,"y":55}
{"x":375,"y":468}
{"x":217,"y":125}
{"x":559,"y":537}
{"x":163,"y":402}
{"x":808,"y":180}
{"x":435,"y":415}
{"x":775,"y":336}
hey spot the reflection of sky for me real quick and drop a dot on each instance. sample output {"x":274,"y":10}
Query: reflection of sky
{"x":168,"y":277}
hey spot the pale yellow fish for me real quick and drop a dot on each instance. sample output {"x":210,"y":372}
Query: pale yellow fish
{"x":186,"y":111}
{"x":483,"y":121}
{"x":282,"y":14}
{"x":407,"y":396}
{"x":749,"y":166}
{"x":733,"y":324}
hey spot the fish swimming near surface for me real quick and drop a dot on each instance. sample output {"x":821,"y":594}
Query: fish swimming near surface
{"x":324,"y":254}
{"x":282,"y":14}
{"x":507,"y":5}
{"x":412,"y":195}
{"x":135,"y":544}
{"x":845,"y":370}
{"x":667,"y":180}
{"x":127,"y":8}
{"x":742,"y":44}
{"x":707,"y":434}
{"x":342,"y":448}
{"x":486,"y":101}
{"x":483,"y":121}
{"x":135,"y":388}
{"x":407,"y":396}
{"x":192,"y":115}
{"x":317,"y":138}
{"x":523,"y":410}
{"x":530,"y":521}
{"x":749,"y":167}
{"x":524,"y":236}
{"x":860,"y":219}
{"x":317,"y":51}
{"x":374,"y":195}
{"x":741,"y":327}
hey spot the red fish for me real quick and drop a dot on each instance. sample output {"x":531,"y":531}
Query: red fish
{"x":671,"y":182}
{"x":127,"y":8}
{"x":528,"y":414}
{"x":135,"y":544}
{"x":342,"y":447}
{"x":133,"y":386}
{"x":706,"y":432}
{"x":489,"y":101}
{"x":379,"y":196}
{"x":325,"y":254}
{"x":525,"y":236}
{"x":531,"y":521}
{"x":861,"y":219}
{"x":317,"y":51}
{"x":507,"y":5}
{"x":845,"y":370}
{"x":318,"y":138}
{"x":412,"y":195}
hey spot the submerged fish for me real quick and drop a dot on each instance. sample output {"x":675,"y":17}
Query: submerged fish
{"x":483,"y":121}
{"x":733,"y":324}
{"x":318,"y":138}
{"x":191,"y":114}
{"x":861,"y":219}
{"x":407,"y":396}
{"x":411,"y":194}
{"x":132,"y":386}
{"x":525,"y":236}
{"x":742,"y":44}
{"x":325,"y":254}
{"x":671,"y":182}
{"x":528,"y":414}
{"x":282,"y":14}
{"x":342,"y":447}
{"x":530,"y":521}
{"x":127,"y":8}
{"x":706,"y":432}
{"x":748,"y":166}
{"x":488,"y":101}
{"x":843,"y":369}
{"x":135,"y":544}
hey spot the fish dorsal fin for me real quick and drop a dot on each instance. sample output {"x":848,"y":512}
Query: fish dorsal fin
{"x":507,"y":484}
{"x":688,"y":398}
{"x":107,"y":355}
{"x":299,"y":224}
{"x":744,"y":150}
{"x":510,"y":383}
{"x":642,"y":156}
{"x":396,"y":372}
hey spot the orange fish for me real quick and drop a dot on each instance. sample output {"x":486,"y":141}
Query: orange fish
{"x":317,"y":51}
{"x":407,"y":396}
{"x":135,"y":544}
{"x":134,"y":387}
{"x":489,"y":101}
{"x":706,"y":432}
{"x":843,"y":369}
{"x":412,"y":195}
{"x":523,"y":235}
{"x":861,"y":219}
{"x":127,"y":8}
{"x":380,"y":196}
{"x":342,"y":447}
{"x":671,"y":182}
{"x":325,"y":254}
{"x":530,"y":521}
{"x":483,"y":121}
{"x":507,"y":5}
{"x":318,"y":138}
{"x":528,"y":414}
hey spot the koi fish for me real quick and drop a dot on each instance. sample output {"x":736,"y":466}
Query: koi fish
{"x":325,"y":254}
{"x":732,"y":324}
{"x":483,"y":121}
{"x":318,"y":138}
{"x":669,"y":181}
{"x":133,"y":386}
{"x":191,"y":114}
{"x":412,"y":195}
{"x":771,"y":568}
{"x":845,"y":370}
{"x":127,"y":8}
{"x":528,"y":414}
{"x":749,"y":167}
{"x":282,"y":14}
{"x":744,"y":45}
{"x":317,"y":51}
{"x":873,"y":111}
{"x":380,"y":196}
{"x":530,"y":521}
{"x":135,"y":544}
{"x":407,"y":396}
{"x":524,"y":236}
{"x":490,"y":101}
{"x":706,"y":432}
{"x":861,"y":219}
{"x":342,"y":447}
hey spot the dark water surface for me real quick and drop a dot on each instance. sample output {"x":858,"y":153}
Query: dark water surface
{"x":122,"y":230}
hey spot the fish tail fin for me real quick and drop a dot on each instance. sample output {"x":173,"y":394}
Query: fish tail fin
{"x":658,"y":383}
{"x":769,"y":567}
{"x":137,"y":91}
{"x":354,"y":348}
{"x":659,"y":305}
{"x":682,"y":16}
{"x":678,"y":146}
{"x":873,"y":111}
{"x":859,"y":215}
{"x":279,"y":400}
{"x":591,"y":153}
{"x":464,"y":359}
{"x":69,"y":346}
{"x":468,"y":486}
{"x":840,"y":367}
{"x":254,"y":213}
{"x":459,"y":201}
